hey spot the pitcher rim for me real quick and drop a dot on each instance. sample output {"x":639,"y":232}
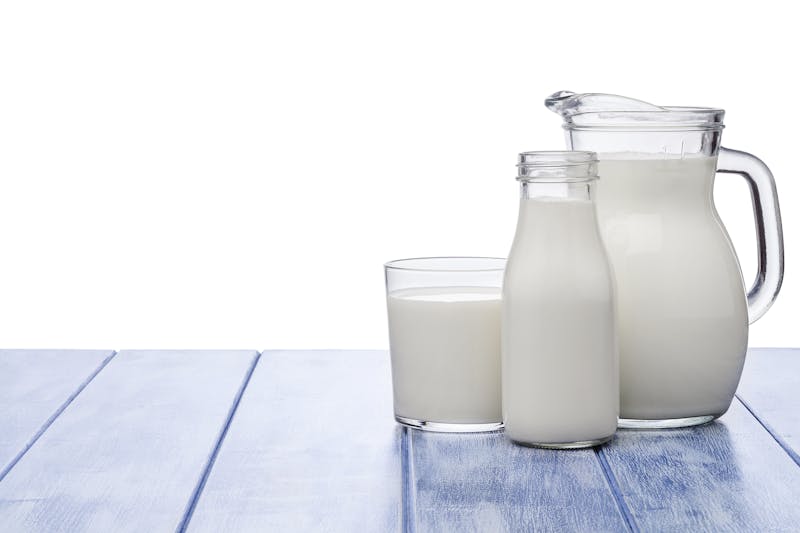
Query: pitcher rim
{"x":671,"y":119}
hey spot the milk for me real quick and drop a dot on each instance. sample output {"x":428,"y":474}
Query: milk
{"x":445,"y":350}
{"x":559,"y":362}
{"x":682,"y":311}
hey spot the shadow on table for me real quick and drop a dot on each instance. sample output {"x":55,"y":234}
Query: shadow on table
{"x":717,"y":475}
{"x":482,"y":482}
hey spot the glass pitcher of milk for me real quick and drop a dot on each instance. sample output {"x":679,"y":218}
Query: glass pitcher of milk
{"x":683,"y":310}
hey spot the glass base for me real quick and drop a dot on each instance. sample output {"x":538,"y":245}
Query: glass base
{"x":667,"y":423}
{"x":446,"y":427}
{"x":565,"y":445}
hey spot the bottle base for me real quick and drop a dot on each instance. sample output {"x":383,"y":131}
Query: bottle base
{"x":577,"y":445}
{"x":666,"y":423}
{"x":446,"y":427}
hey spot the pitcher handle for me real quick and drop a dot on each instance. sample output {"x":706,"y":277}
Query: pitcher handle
{"x":769,"y":231}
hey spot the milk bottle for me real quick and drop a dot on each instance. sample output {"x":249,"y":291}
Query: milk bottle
{"x":559,"y":364}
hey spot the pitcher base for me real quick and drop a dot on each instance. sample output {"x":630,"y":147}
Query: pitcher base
{"x":667,"y":423}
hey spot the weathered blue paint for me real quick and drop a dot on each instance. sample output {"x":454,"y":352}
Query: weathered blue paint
{"x":729,"y":475}
{"x":770,"y":389}
{"x":129,"y":451}
{"x":35,"y":387}
{"x":160,"y":440}
{"x":482,"y":482}
{"x":313,"y":447}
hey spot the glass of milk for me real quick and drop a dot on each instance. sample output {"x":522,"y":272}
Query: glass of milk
{"x":444,"y":338}
{"x":559,"y":349}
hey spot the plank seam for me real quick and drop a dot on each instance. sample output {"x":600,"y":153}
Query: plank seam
{"x":49,"y":422}
{"x":198,"y":491}
{"x":611,"y":479}
{"x":774,"y":434}
{"x":407,"y":461}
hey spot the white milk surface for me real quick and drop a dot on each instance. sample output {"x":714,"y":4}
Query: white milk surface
{"x":682,"y":311}
{"x":445,"y":350}
{"x":559,"y":363}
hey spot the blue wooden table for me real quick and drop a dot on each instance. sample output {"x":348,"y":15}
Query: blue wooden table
{"x":223,"y":441}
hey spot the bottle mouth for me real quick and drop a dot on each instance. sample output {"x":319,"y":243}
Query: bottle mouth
{"x":557,"y":166}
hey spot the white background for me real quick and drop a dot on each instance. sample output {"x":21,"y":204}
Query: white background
{"x":234,"y":174}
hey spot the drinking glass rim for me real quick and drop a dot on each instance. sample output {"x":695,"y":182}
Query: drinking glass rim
{"x":427,"y":264}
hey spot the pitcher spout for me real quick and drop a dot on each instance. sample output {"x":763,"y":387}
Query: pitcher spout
{"x":568,"y":103}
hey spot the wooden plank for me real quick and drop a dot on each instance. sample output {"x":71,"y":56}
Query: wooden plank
{"x":730,"y":475}
{"x":770,"y":388}
{"x":35,"y":387}
{"x":482,"y":482}
{"x":314,"y":447}
{"x":129,"y":452}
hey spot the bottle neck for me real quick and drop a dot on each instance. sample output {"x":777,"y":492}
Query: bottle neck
{"x":567,"y":190}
